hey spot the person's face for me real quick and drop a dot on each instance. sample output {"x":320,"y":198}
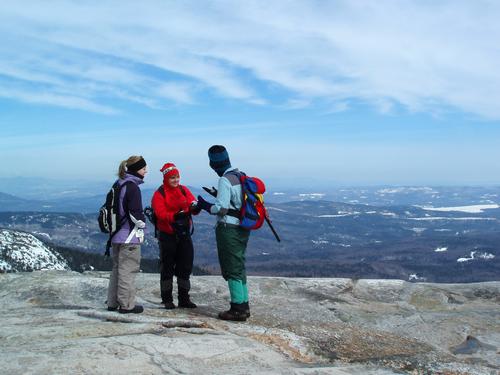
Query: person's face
{"x":143,"y":171}
{"x":173,"y":181}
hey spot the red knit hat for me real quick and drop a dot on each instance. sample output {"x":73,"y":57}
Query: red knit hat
{"x":169,"y":170}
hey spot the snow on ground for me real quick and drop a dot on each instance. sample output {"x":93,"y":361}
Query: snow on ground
{"x":312,"y":195}
{"x":4,"y":266}
{"x":337,"y":215}
{"x":427,"y":190}
{"x":474,"y":209}
{"x":391,"y":214}
{"x":319,"y":242}
{"x":418,"y":230}
{"x":474,"y":255}
{"x":441,"y":249}
{"x":24,"y":252}
{"x":415,"y":277}
{"x":275,"y":209}
{"x":46,"y":235}
{"x":430,"y":218}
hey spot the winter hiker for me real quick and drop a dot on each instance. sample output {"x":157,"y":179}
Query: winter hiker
{"x":126,"y":243}
{"x":173,"y":205}
{"x":231,"y":238}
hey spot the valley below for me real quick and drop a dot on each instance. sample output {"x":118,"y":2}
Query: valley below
{"x":321,"y":238}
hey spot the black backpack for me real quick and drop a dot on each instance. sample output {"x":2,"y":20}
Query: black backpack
{"x":181,"y":226}
{"x":109,"y":218}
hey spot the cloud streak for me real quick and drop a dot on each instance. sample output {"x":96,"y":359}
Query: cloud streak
{"x":424,"y":56}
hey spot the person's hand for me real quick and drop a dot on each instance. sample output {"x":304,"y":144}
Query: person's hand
{"x":181,"y":215}
{"x":194,"y":209}
{"x":212,"y":191}
{"x":203,"y":204}
{"x":148,"y":212}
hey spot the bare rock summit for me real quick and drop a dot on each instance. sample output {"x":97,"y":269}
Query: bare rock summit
{"x":55,"y":322}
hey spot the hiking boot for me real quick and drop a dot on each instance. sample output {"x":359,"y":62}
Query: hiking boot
{"x":136,"y":310}
{"x":169,"y":305}
{"x":187,"y":303}
{"x":166,"y":291}
{"x":111,"y":308}
{"x":247,"y":309}
{"x":236,"y":313}
{"x":183,"y":294}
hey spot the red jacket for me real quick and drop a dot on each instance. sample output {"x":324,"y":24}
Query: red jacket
{"x":166,"y":207}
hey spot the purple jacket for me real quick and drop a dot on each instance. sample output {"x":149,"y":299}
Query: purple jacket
{"x":133,"y":219}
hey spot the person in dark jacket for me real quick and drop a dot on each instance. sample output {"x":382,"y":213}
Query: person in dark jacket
{"x":173,"y":205}
{"x":127,"y":241}
{"x":231,"y":238}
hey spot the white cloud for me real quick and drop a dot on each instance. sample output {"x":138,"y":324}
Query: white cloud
{"x":67,"y":101}
{"x":425,"y":56}
{"x":178,"y":92}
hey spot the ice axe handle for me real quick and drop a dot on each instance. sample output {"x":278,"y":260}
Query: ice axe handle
{"x":272,"y":229}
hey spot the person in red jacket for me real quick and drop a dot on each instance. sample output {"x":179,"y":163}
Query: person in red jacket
{"x":173,"y":205}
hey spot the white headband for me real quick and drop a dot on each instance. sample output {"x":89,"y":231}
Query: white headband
{"x":168,"y":170}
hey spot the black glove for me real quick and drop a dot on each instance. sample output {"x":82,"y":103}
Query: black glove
{"x":181,"y":215}
{"x":203,"y":204}
{"x":194,"y":209}
{"x":148,"y":212}
{"x":212,"y":191}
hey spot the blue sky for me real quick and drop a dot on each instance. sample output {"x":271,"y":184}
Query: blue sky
{"x":300,"y":92}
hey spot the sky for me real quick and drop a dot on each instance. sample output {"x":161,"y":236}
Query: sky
{"x":300,"y":92}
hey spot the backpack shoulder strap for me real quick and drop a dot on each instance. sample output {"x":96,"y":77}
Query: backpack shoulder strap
{"x":183,"y":191}
{"x":120,"y":187}
{"x":235,"y":172}
{"x":235,"y":180}
{"x":161,"y":191}
{"x":234,"y":177}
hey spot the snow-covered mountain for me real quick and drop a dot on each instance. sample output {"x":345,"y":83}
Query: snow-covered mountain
{"x":20,"y":251}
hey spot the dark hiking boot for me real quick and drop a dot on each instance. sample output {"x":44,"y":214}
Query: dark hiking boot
{"x":109,"y":307}
{"x":168,"y":301}
{"x":187,"y":303}
{"x":236,"y":313}
{"x":247,"y":309}
{"x":166,"y":292}
{"x":184,"y":300}
{"x":169,"y":305}
{"x":136,"y":310}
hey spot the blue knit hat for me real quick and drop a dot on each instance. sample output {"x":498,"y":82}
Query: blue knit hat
{"x":219,"y":159}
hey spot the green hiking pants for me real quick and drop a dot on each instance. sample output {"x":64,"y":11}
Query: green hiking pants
{"x":231,"y":247}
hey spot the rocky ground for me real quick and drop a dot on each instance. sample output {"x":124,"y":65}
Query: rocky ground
{"x":55,"y":322}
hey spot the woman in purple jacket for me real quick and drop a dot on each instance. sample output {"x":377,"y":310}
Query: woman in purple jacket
{"x":127,"y":241}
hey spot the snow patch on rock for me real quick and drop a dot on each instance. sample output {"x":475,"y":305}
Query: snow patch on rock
{"x":21,"y":251}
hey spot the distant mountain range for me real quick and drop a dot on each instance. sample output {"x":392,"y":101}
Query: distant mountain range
{"x":325,"y":239}
{"x":436,"y":234}
{"x":47,"y":195}
{"x":65,"y":201}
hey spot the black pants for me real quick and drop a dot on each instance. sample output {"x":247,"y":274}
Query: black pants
{"x":176,"y":256}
